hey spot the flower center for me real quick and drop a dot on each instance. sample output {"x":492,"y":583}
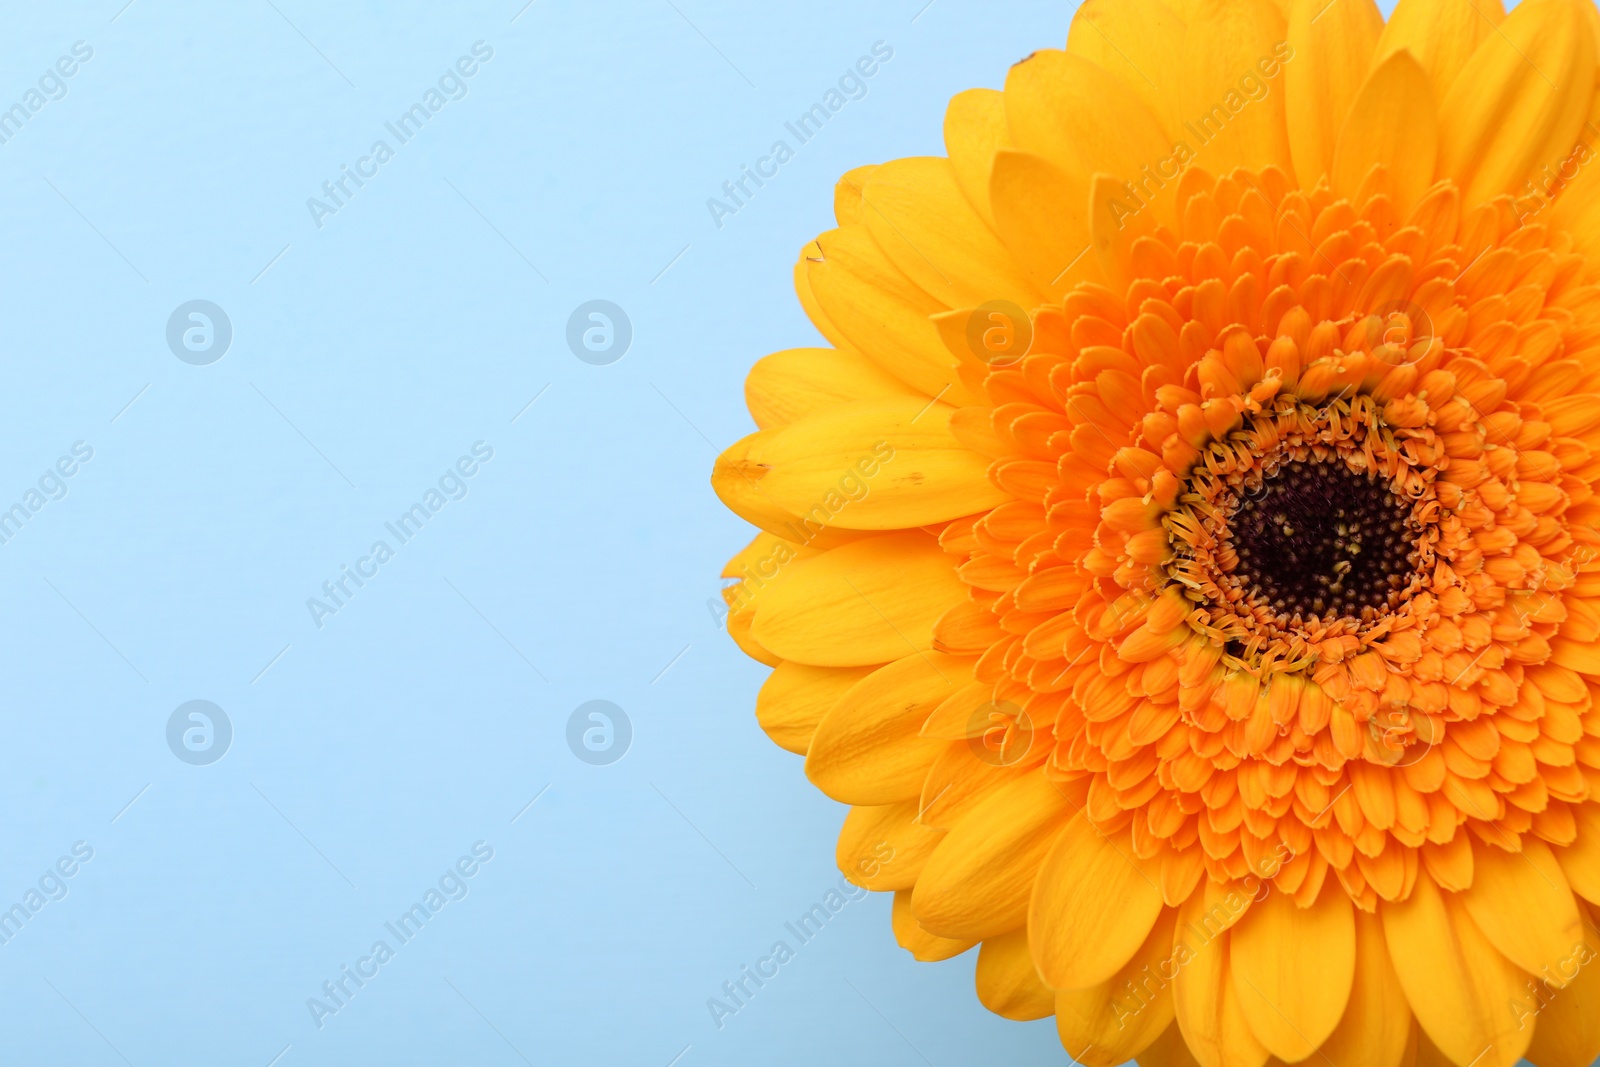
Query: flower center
{"x":1307,"y":522}
{"x":1318,"y":539}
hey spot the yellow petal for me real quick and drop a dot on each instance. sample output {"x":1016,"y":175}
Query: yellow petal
{"x":1520,"y":101}
{"x":1393,"y":121}
{"x":1115,"y":1020}
{"x":884,"y":847}
{"x":868,"y":749}
{"x":736,"y":479}
{"x":1083,"y":119}
{"x":876,"y":465}
{"x":1580,"y":861}
{"x":1577,"y":201}
{"x":1292,"y":969}
{"x":917,"y":214}
{"x":794,"y":698}
{"x":1567,"y":1031}
{"x":1007,"y":983}
{"x":1376,"y":1026}
{"x":974,"y":130}
{"x":1168,"y":1050}
{"x":1042,"y":214}
{"x":739,"y":629}
{"x":758,"y":560}
{"x":1092,"y":907}
{"x":797,"y":382}
{"x":1234,"y":49}
{"x":911,"y":936}
{"x":808,"y":299}
{"x":1522,"y":904}
{"x":960,"y":778}
{"x":978,"y":881}
{"x":1116,"y":220}
{"x":1332,"y":49}
{"x":879,"y":312}
{"x":1456,"y":982}
{"x":1203,"y":997}
{"x":1426,"y":1053}
{"x":1141,"y":42}
{"x":870,"y":601}
{"x":848,"y":210}
{"x":1441,"y":34}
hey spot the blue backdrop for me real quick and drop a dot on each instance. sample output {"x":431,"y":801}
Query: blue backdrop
{"x":285,"y":282}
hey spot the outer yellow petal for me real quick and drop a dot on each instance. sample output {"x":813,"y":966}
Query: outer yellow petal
{"x":1141,"y":42}
{"x":1567,"y":1033}
{"x":1228,"y":41}
{"x":880,"y":312}
{"x":808,"y":299}
{"x":1577,"y":205}
{"x":1115,"y":223}
{"x":1376,"y":1027}
{"x":1093,"y":906}
{"x":1456,"y":982}
{"x":917,"y":214}
{"x":1007,"y":983}
{"x":736,"y":479}
{"x":1426,"y":1053}
{"x":959,"y":780}
{"x":739,"y":629}
{"x":910,"y":935}
{"x":1083,"y":119}
{"x":1442,"y":34}
{"x":1042,"y":214}
{"x":848,"y":210}
{"x":1203,"y":997}
{"x":1168,"y":1050}
{"x":1580,"y":861}
{"x":876,"y":465}
{"x":1112,"y":1021}
{"x":869,"y":749}
{"x":759,"y":556}
{"x":870,"y":601}
{"x":794,"y":698}
{"x":974,"y":130}
{"x":1521,"y":903}
{"x":1520,"y":100}
{"x":885,"y":847}
{"x":792,"y":384}
{"x":977,"y":883}
{"x":1292,"y":969}
{"x":1393,"y":121}
{"x":1333,"y":46}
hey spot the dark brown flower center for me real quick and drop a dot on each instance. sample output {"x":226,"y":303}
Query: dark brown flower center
{"x":1318,"y":539}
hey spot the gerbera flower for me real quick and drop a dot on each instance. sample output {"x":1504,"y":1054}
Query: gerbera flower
{"x":1184,"y":560}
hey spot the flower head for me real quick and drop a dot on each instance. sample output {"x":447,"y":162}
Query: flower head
{"x":1184,"y":560}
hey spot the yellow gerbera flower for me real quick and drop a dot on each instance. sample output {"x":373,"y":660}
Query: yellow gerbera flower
{"x":1185,"y":558}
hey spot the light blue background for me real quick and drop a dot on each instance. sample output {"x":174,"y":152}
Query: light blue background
{"x":369,"y":356}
